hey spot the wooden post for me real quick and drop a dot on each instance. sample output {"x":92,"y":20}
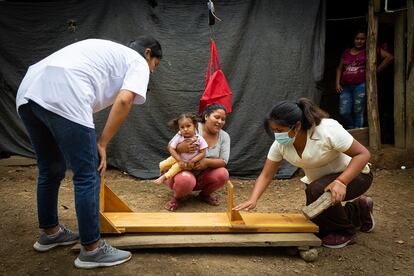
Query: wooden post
{"x":409,"y":88}
{"x":377,"y":6}
{"x":371,"y":79}
{"x":399,"y":80}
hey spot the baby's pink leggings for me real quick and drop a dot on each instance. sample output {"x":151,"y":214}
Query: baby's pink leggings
{"x":207,"y":182}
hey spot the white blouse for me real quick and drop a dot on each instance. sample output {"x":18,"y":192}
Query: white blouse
{"x":323,"y":152}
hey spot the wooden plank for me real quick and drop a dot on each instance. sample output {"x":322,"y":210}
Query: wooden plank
{"x":377,"y":6}
{"x":141,"y":241}
{"x":371,"y":79}
{"x":102,"y":196}
{"x":361,"y":135}
{"x":409,"y":90}
{"x":399,"y":80}
{"x":209,"y":222}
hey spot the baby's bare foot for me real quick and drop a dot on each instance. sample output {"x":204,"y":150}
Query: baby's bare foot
{"x":159,"y":180}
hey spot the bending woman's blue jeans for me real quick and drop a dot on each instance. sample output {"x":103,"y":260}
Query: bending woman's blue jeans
{"x":57,"y":141}
{"x":352,"y":105}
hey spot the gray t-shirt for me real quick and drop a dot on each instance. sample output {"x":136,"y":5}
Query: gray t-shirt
{"x":221,"y":149}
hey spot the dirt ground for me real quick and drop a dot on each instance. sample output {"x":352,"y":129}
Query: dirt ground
{"x":388,"y":250}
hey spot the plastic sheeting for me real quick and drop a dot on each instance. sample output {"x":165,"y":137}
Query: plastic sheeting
{"x":269,"y":50}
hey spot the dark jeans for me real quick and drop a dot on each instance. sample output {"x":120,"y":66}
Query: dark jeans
{"x":56,"y":141}
{"x":339,"y":218}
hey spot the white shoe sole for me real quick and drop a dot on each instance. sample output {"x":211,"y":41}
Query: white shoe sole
{"x":339,"y":245}
{"x":373,"y":223}
{"x":89,"y":265}
{"x":372,"y":219}
{"x":42,"y":248}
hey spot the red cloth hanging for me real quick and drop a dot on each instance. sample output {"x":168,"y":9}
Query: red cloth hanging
{"x":216,"y":89}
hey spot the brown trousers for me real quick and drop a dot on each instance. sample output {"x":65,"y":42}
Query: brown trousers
{"x":339,"y":218}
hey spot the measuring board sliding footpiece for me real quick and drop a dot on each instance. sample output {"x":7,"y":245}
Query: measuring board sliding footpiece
{"x":318,"y":206}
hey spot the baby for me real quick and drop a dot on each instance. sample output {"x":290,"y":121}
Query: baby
{"x":186,"y":124}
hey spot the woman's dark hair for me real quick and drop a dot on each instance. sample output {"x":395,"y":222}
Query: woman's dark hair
{"x":361,"y":30}
{"x":287,"y":113}
{"x":209,"y":109}
{"x":174,"y":122}
{"x":143,"y":42}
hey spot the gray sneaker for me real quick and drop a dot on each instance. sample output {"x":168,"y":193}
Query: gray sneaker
{"x":64,"y":237}
{"x":106,"y":255}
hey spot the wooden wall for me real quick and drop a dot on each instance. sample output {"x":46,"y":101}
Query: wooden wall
{"x":409,"y":92}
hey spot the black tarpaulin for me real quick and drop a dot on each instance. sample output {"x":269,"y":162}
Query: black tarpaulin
{"x":269,"y":51}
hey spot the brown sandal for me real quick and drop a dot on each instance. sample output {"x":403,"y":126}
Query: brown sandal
{"x":209,"y":199}
{"x":171,"y":205}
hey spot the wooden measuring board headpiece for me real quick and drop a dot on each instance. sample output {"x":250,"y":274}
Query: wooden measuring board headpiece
{"x":236,"y":220}
{"x":234,"y":216}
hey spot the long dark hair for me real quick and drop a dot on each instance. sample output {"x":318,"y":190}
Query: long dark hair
{"x":361,"y":30}
{"x":209,"y":109}
{"x":173,"y":124}
{"x":143,"y":42}
{"x":287,"y":113}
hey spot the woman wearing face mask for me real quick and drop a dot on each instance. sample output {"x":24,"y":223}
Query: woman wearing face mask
{"x":332,"y":161}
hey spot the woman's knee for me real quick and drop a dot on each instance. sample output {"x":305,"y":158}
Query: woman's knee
{"x":359,"y":106}
{"x":184,"y":183}
{"x":313,"y":192}
{"x":344,"y":109}
{"x":221,"y":175}
{"x":359,"y":185}
{"x":215,"y":177}
{"x":309,"y":191}
{"x":54,"y":171}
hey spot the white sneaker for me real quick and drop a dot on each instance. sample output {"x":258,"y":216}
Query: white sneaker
{"x":104,"y":256}
{"x":63,"y":237}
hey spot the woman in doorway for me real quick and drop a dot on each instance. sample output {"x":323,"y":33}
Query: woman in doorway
{"x":350,"y":80}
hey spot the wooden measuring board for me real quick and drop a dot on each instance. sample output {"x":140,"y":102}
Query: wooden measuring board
{"x":229,"y":229}
{"x":209,"y":222}
{"x":117,"y":217}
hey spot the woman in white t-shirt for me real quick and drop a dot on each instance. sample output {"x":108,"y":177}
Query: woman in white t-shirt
{"x":332,"y":161}
{"x":56,"y":101}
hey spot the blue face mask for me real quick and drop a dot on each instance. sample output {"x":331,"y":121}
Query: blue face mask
{"x":283,"y":138}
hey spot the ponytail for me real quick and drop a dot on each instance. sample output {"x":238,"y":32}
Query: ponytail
{"x":173,"y":124}
{"x":287,"y":113}
{"x":311,"y":113}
